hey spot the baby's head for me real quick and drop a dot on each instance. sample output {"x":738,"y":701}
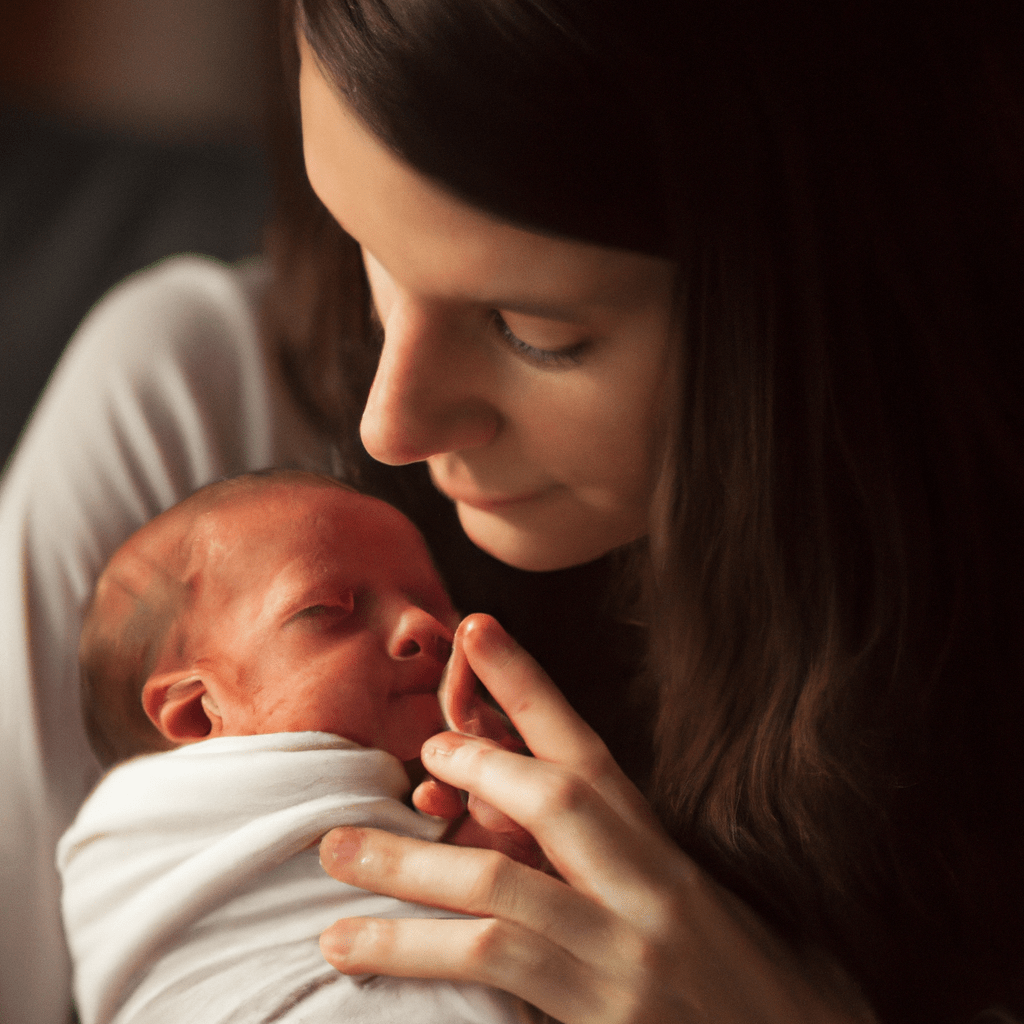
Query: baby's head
{"x":269,"y":603}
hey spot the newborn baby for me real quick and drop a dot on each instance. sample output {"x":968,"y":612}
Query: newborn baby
{"x":273,"y":645}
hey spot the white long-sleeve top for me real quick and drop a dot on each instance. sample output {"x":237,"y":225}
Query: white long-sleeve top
{"x":165,"y":387}
{"x":193,"y":889}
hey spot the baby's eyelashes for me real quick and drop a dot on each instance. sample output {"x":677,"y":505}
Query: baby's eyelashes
{"x":312,"y":610}
{"x":340,"y":607}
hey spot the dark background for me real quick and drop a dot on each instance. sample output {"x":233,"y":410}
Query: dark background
{"x":130,"y":130}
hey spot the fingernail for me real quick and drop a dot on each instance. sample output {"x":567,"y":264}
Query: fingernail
{"x":335,"y":944}
{"x":443,"y":745}
{"x":339,"y":847}
{"x":490,"y":637}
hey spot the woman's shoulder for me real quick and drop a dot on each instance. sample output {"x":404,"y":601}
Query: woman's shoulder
{"x":170,"y":375}
{"x":184,"y":299}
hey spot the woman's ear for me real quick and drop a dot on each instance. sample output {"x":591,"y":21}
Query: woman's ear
{"x":181,"y":707}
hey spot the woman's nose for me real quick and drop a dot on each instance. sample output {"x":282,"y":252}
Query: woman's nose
{"x":416,"y":633}
{"x":427,"y":396}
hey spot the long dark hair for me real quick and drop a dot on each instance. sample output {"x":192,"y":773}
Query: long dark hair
{"x":833,"y":573}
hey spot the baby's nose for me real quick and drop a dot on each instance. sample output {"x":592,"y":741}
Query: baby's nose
{"x":417,"y":632}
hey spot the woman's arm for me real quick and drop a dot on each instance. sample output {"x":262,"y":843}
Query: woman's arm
{"x":632,"y":931}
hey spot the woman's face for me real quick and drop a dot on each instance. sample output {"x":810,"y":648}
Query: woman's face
{"x":526,"y":370}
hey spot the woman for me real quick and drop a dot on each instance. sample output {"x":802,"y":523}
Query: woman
{"x":823,"y":208}
{"x":705,"y":324}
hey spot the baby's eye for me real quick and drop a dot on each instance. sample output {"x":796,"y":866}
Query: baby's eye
{"x":313,"y":611}
{"x":328,"y":610}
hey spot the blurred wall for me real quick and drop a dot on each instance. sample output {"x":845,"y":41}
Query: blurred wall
{"x":130,"y":130}
{"x":160,"y":68}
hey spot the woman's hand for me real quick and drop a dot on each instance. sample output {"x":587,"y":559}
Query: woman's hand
{"x":465,"y":709}
{"x":631,"y":931}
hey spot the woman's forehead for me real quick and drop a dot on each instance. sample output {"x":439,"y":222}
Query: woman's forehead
{"x":439,"y":245}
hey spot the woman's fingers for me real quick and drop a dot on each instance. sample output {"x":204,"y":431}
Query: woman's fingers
{"x":488,"y":951}
{"x":632,"y":933}
{"x":553,"y":731}
{"x":467,"y":880}
{"x":535,"y":937}
{"x":541,"y":940}
{"x":544,"y":718}
{"x":592,"y":846}
{"x":465,"y":709}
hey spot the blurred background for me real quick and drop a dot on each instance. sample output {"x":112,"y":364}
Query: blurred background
{"x":130,"y":130}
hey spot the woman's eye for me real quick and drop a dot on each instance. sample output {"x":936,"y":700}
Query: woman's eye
{"x":558,"y":358}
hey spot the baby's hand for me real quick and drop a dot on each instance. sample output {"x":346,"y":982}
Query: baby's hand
{"x":477,"y":823}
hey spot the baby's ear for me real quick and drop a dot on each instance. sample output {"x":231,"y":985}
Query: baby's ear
{"x":181,"y":708}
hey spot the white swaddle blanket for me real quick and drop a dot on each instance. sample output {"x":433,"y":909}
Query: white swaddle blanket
{"x":192,"y":891}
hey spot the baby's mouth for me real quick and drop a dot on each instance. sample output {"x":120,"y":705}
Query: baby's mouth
{"x":424,"y":683}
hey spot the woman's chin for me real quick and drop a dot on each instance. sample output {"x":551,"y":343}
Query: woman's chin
{"x":552,"y":543}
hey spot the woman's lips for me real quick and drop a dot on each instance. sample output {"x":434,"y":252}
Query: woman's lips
{"x":486,"y":502}
{"x":481,"y":500}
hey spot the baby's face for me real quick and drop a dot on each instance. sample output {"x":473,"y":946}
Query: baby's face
{"x":320,"y":610}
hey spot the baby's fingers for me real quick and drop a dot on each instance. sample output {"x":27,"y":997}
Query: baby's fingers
{"x":476,"y":823}
{"x":438,"y":799}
